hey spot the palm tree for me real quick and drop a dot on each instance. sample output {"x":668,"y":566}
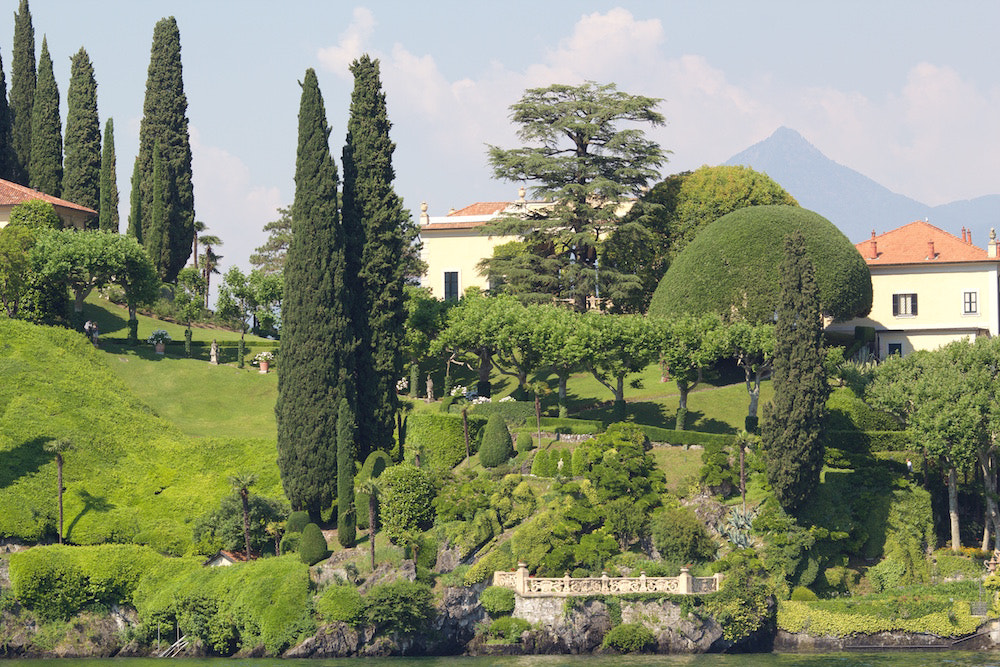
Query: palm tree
{"x":743,"y":440}
{"x":199,"y":227}
{"x":57,"y":447}
{"x":209,"y":261}
{"x":242,"y":481}
{"x":372,"y":487}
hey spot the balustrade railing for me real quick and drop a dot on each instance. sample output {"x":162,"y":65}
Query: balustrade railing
{"x":529,"y":586}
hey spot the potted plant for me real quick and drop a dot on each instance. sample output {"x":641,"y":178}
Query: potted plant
{"x":264,"y":359}
{"x":159,"y":339}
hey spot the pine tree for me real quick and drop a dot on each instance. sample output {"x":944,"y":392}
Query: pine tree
{"x":22,"y":91}
{"x":374,"y":222}
{"x":82,"y":166}
{"x":790,"y":430}
{"x":45,"y":171}
{"x":108,"y":219}
{"x":165,"y":121}
{"x":135,"y":205}
{"x":346,"y":513}
{"x":315,"y":327}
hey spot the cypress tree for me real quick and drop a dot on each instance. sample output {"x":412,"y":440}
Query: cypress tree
{"x":165,"y":121}
{"x":45,"y":171}
{"x":346,"y":514}
{"x":156,"y":234}
{"x":7,"y":158}
{"x":790,"y":430}
{"x":135,"y":206}
{"x":108,"y":218}
{"x":22,"y":91}
{"x":374,"y":222}
{"x":82,"y":166}
{"x":315,"y":327}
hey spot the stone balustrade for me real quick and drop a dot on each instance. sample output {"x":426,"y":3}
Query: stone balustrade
{"x":565,"y":586}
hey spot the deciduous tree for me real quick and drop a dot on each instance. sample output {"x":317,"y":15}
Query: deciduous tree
{"x":618,"y":345}
{"x":688,"y":346}
{"x":16,"y":242}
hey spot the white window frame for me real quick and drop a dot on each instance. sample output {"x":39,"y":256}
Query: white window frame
{"x":907,"y":299}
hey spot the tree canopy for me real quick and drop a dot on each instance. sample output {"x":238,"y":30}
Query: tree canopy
{"x":82,"y":167}
{"x":45,"y":170}
{"x":733,"y":265}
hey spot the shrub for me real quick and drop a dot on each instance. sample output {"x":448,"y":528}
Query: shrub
{"x":630,"y":638}
{"x":402,"y":606}
{"x":525,"y":443}
{"x":49,"y":582}
{"x":497,"y":447}
{"x":441,"y":438}
{"x":497,"y":601}
{"x":406,"y":501}
{"x":517,"y":413}
{"x":341,"y":603}
{"x":290,"y":543}
{"x":296,"y":522}
{"x":570,"y":425}
{"x":508,"y":629}
{"x":803,"y":594}
{"x":675,"y":437}
{"x":680,"y":537}
{"x":374,"y":465}
{"x":312,"y":545}
{"x":222,"y":528}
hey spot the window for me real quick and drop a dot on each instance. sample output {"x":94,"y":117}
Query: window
{"x":451,"y":285}
{"x":896,"y":349}
{"x":970,"y":303}
{"x":904,"y":305}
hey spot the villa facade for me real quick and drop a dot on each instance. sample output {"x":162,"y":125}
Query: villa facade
{"x":12,"y":194}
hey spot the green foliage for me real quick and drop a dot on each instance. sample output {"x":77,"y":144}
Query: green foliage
{"x":402,"y":607}
{"x":508,"y":628}
{"x":270,"y":257}
{"x":680,"y":536}
{"x":525,"y":443}
{"x":346,"y":451}
{"x":16,"y":242}
{"x":406,"y":501}
{"x":843,"y":618}
{"x":440,"y":438}
{"x":733,"y":265}
{"x":847,"y":412}
{"x":626,"y":520}
{"x":497,"y":447}
{"x":717,"y":471}
{"x":45,"y":169}
{"x":909,"y":537}
{"x":743,"y":606}
{"x":341,"y":603}
{"x":82,"y":165}
{"x":22,"y":90}
{"x":630,"y":638}
{"x":108,"y":211}
{"x":296,"y":522}
{"x":374,"y":465}
{"x":802,"y":594}
{"x":497,"y":601}
{"x":514,"y":413}
{"x":312,"y":545}
{"x":222,"y":528}
{"x":619,"y":464}
{"x":165,"y":124}
{"x":35,"y":214}
{"x":571,"y":425}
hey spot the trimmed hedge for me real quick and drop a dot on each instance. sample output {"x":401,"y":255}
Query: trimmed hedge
{"x":312,"y":545}
{"x":673,"y":437}
{"x":515,"y":413}
{"x":952,"y":620}
{"x":870,"y":441}
{"x":497,"y":446}
{"x":440,"y":438}
{"x":571,"y":425}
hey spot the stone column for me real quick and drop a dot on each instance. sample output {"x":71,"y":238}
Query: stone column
{"x":522,"y":579}
{"x":685,"y":582}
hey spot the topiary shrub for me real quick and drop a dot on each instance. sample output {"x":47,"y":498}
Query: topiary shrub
{"x":312,"y":545}
{"x":296,"y":522}
{"x":803,"y":594}
{"x":402,"y":606}
{"x":406,"y":501}
{"x":441,"y":438}
{"x":508,"y":629}
{"x":630,"y":638}
{"x":497,"y":447}
{"x":525,"y":443}
{"x":341,"y":603}
{"x":497,"y":601}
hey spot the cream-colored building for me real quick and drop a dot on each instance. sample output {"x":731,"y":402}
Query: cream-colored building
{"x":929,"y":288}
{"x":12,"y":194}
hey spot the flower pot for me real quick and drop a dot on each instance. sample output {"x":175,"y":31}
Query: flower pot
{"x":264,"y":366}
{"x":160,"y":347}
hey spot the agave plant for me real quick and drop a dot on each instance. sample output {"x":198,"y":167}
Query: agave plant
{"x":738,"y":528}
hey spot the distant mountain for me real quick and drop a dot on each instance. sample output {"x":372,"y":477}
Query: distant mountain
{"x":851,"y":200}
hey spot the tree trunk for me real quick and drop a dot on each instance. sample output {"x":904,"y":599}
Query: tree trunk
{"x":618,"y":409}
{"x":59,"y":481}
{"x":743,"y":476}
{"x":988,"y":463}
{"x":371,"y":526}
{"x":956,"y":540}
{"x":563,"y":380}
{"x":246,"y":520}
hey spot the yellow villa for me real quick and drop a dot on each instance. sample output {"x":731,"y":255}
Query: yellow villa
{"x":12,"y":194}
{"x":929,"y":288}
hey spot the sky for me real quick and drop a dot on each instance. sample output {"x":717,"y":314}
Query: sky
{"x":906,"y":92}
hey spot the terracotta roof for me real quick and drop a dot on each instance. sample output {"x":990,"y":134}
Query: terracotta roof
{"x":914,"y":244}
{"x":482,"y":208}
{"x":12,"y":194}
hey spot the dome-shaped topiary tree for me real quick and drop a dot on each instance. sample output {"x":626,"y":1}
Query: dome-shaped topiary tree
{"x":497,"y":446}
{"x":312,"y":545}
{"x":731,"y":267}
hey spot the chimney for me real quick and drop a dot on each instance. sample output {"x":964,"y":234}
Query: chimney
{"x":930,"y":250}
{"x":873,"y":247}
{"x":964,"y":239}
{"x":991,"y":247}
{"x":968,"y":238}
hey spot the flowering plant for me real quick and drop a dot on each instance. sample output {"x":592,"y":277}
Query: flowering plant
{"x":263,"y":356}
{"x":158,"y":336}
{"x":507,"y":399}
{"x":458,"y":390}
{"x":402,"y":384}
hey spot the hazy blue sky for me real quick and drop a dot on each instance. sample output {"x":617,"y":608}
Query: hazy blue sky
{"x":908,"y":92}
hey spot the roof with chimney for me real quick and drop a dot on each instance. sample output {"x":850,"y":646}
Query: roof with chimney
{"x":921,"y":243}
{"x":12,"y":194}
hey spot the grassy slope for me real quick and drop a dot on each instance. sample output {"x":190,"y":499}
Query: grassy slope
{"x":132,"y":476}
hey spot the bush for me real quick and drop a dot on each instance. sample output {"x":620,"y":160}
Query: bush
{"x":312,"y":545}
{"x":675,"y":437}
{"x":296,"y":522}
{"x":508,"y":629}
{"x":441,"y":439}
{"x":570,"y":425}
{"x":630,"y":638}
{"x":402,"y":606}
{"x":803,"y":594}
{"x":374,"y":465}
{"x":497,"y":601}
{"x":406,"y":501}
{"x":290,"y":543}
{"x":222,"y":528}
{"x":517,"y":413}
{"x":341,"y":603}
{"x":497,"y":447}
{"x":680,"y":537}
{"x":525,"y":443}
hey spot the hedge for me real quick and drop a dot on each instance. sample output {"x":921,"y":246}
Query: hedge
{"x":811,"y":617}
{"x":440,"y":438}
{"x":515,"y":413}
{"x":657,"y":434}
{"x":570,"y":425}
{"x":870,"y":441}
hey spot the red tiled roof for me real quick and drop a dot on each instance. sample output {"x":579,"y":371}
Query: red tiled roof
{"x":482,"y":208}
{"x":12,"y":194}
{"x":913,"y":243}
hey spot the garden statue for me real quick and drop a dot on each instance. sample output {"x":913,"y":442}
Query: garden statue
{"x":214,"y":353}
{"x":430,"y":389}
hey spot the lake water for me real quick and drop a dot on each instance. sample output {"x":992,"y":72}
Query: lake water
{"x":884,"y":659}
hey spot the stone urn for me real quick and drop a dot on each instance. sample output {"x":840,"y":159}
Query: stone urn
{"x":160,"y":347}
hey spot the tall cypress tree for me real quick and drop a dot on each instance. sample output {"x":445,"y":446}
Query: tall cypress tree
{"x":22,"y":91}
{"x":82,"y":166}
{"x":135,"y":206}
{"x":45,"y":170}
{"x":315,"y":326}
{"x":374,"y":222}
{"x":108,"y":218}
{"x":346,"y":455}
{"x":156,"y":234}
{"x":7,"y":158}
{"x":790,"y":430}
{"x":165,"y":121}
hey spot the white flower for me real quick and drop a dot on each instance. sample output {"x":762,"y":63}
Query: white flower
{"x":402,"y":384}
{"x":458,"y":390}
{"x":507,"y":399}
{"x":263,"y":356}
{"x":158,"y":336}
